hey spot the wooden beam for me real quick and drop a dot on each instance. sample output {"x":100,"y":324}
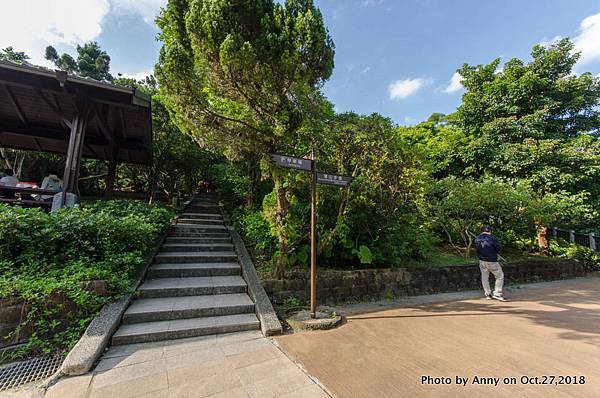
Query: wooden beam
{"x":16,"y":105}
{"x":57,"y":111}
{"x":37,"y":143}
{"x":103,"y":125}
{"x":93,"y":151}
{"x":123,"y":123}
{"x":62,"y":135}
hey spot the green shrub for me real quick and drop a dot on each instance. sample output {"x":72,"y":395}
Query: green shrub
{"x":232,"y":185}
{"x":47,"y":259}
{"x":256,"y":230}
{"x":588,"y":257}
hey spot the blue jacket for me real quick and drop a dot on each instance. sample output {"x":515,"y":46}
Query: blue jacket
{"x":488,"y":247}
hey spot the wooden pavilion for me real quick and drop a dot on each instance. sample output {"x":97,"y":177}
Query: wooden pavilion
{"x":52,"y":111}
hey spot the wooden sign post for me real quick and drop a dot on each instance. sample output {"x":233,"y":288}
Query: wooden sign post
{"x":316,"y":177}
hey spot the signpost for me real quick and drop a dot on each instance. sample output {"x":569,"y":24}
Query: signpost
{"x":292,"y":162}
{"x":316,"y":177}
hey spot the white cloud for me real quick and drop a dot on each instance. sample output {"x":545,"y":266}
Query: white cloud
{"x":455,"y":83}
{"x":30,"y":25}
{"x":148,"y":9}
{"x":141,"y":75}
{"x":400,"y":89}
{"x":365,"y":70}
{"x":588,"y":41}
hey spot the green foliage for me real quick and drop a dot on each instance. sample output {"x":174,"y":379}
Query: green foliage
{"x":178,"y":165}
{"x":9,"y":54}
{"x":244,"y":77}
{"x":586,"y":256}
{"x":257,"y":232}
{"x":291,"y":303}
{"x":46,"y":259}
{"x":233,"y":185}
{"x":364,"y":254}
{"x":240,"y":73}
{"x":459,"y":207}
{"x":91,"y":61}
{"x":383,"y":208}
{"x":534,"y":121}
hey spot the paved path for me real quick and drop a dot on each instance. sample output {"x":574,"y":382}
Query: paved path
{"x":232,"y":365}
{"x":552,"y":330}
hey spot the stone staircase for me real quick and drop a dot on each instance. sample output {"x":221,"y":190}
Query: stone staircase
{"x":195,"y":286}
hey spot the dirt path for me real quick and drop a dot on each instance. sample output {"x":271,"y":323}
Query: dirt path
{"x":553,"y":331}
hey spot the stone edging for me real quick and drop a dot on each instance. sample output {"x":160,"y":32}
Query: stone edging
{"x":97,"y":336}
{"x":269,"y":323}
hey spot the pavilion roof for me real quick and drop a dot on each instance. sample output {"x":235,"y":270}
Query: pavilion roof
{"x":37,"y":105}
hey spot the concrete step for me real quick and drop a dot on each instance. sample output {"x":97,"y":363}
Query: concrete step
{"x":208,"y":206}
{"x":181,"y":227}
{"x":183,"y":270}
{"x":196,"y":247}
{"x":192,"y":286}
{"x":201,"y":221}
{"x":213,"y":216}
{"x":198,"y":240}
{"x":196,"y":257}
{"x":182,"y":328}
{"x":169,"y":308}
{"x":198,"y":234}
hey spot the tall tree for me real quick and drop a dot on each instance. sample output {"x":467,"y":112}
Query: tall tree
{"x":91,"y":61}
{"x":534,"y":121}
{"x":244,"y":74}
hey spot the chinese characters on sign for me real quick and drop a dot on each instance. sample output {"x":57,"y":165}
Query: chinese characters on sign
{"x":292,"y":162}
{"x":333,"y":179}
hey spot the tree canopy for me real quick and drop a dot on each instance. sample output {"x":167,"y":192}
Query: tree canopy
{"x":91,"y":61}
{"x":535,"y":120}
{"x":243,"y":75}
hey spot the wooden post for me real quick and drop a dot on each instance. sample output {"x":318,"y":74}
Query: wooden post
{"x":572,"y":236}
{"x":592,"y":241}
{"x":555,"y":232}
{"x":74,"y":150}
{"x":313,"y":236}
{"x":112,"y":175}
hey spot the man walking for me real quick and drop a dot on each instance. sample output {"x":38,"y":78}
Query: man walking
{"x":488,"y":247}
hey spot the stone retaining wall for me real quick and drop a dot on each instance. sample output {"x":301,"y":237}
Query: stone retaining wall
{"x":341,"y":286}
{"x":12,"y":311}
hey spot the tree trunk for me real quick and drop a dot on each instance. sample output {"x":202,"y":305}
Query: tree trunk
{"x":110,"y":179}
{"x":281,"y":213}
{"x":542,"y":238}
{"x":4,"y":157}
{"x":253,"y":173}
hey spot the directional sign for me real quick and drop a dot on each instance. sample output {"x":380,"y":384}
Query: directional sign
{"x":333,"y":179}
{"x":292,"y":162}
{"x":316,"y":177}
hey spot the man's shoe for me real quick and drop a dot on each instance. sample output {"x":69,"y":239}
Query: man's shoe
{"x":499,"y":297}
{"x":488,"y":296}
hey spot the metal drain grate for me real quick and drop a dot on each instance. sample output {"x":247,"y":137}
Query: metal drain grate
{"x":20,"y":373}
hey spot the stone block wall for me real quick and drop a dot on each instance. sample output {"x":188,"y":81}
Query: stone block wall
{"x":12,"y":311}
{"x":341,"y":286}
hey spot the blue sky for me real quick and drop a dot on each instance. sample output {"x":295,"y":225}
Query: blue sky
{"x":395,"y":57}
